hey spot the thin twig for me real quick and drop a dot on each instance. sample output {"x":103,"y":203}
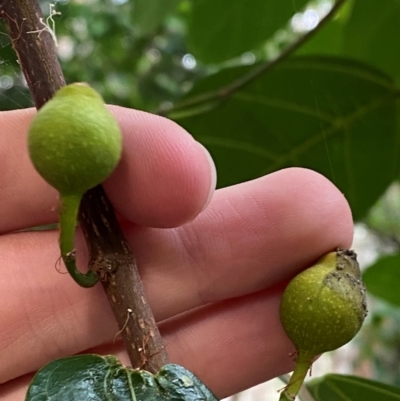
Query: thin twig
{"x":110,"y":256}
{"x":227,"y":91}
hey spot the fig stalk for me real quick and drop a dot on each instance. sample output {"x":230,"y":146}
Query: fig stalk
{"x":68,"y":213}
{"x":303,"y":365}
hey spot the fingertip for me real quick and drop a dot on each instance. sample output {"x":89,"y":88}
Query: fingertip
{"x":165,"y":178}
{"x":319,"y":209}
{"x":330,"y":206}
{"x":213,"y":181}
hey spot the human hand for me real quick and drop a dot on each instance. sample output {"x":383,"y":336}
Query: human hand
{"x":213,"y":280}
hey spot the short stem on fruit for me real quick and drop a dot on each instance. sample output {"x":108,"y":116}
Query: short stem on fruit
{"x":303,"y":364}
{"x":68,"y":213}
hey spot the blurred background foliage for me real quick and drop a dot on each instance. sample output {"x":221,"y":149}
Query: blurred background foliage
{"x":264,"y":86}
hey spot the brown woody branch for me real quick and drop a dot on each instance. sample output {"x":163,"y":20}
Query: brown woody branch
{"x":110,"y":256}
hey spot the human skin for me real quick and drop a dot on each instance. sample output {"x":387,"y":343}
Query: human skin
{"x":213,"y":264}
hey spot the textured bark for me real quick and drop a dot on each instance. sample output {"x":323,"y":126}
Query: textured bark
{"x":34,"y":47}
{"x":110,"y":256}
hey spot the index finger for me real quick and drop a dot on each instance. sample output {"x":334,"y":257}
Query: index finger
{"x":165,"y":178}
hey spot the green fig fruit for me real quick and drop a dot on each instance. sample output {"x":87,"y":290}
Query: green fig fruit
{"x":74,"y":142}
{"x":322,"y":308}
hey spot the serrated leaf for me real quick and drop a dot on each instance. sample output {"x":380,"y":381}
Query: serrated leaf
{"x":102,"y":378}
{"x":334,"y":387}
{"x":332,"y":115}
{"x":221,"y":29}
{"x":383,"y":279}
{"x":149,"y":14}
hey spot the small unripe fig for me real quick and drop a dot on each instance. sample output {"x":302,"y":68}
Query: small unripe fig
{"x":74,"y":141}
{"x":324,"y":306}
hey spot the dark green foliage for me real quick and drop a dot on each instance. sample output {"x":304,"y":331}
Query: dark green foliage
{"x":333,"y":387}
{"x":97,"y":378}
{"x":327,"y":114}
{"x":383,"y":279}
{"x":234,"y":27}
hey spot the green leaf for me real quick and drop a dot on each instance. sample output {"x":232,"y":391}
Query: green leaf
{"x":369,"y":34}
{"x":332,"y":115}
{"x":383,"y":279}
{"x":222,"y":29}
{"x":334,"y":387}
{"x":327,"y":41}
{"x":149,"y":14}
{"x":103,"y":378}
